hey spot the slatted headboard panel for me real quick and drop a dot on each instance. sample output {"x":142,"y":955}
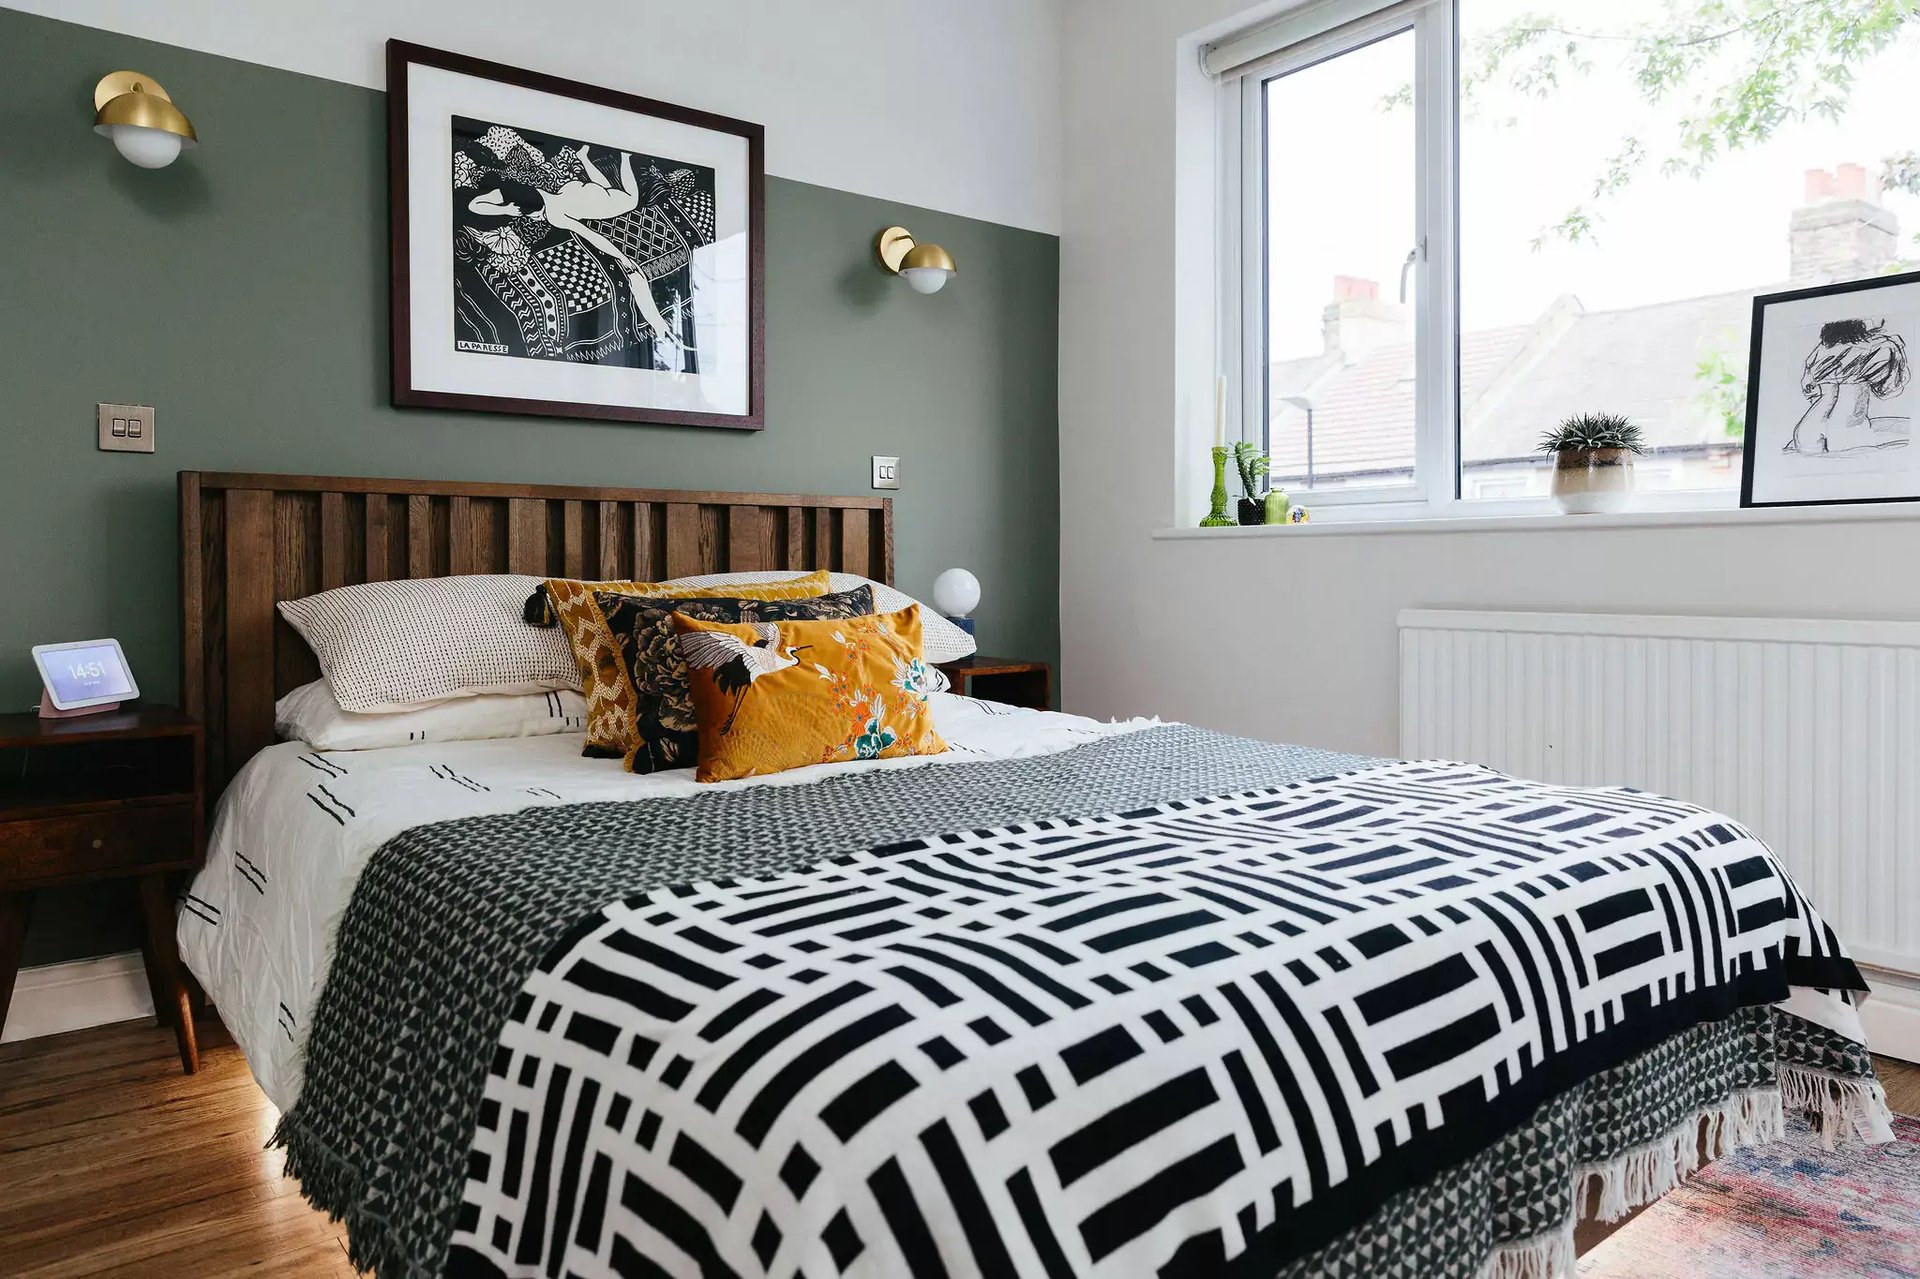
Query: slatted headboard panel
{"x":250,"y":541}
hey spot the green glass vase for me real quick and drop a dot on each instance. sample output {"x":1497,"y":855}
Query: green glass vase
{"x":1218,"y":517}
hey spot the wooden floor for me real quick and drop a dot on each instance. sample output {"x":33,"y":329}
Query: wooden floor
{"x":1903,"y":1084}
{"x":114,"y":1163}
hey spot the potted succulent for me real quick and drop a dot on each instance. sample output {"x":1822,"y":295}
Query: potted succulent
{"x":1252,"y":465}
{"x":1593,"y":461}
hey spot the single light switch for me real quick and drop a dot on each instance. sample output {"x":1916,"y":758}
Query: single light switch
{"x":886,"y":472}
{"x":126,"y":428}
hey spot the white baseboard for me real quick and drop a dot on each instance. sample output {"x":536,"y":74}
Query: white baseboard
{"x":1891,"y":1015}
{"x":52,"y":999}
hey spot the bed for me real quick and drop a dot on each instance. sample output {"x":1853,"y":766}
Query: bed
{"x":1074,"y":998}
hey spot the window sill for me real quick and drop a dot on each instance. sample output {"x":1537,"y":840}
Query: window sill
{"x":1557,"y":522}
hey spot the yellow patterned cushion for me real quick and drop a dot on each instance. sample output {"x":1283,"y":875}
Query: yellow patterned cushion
{"x":771,"y":696}
{"x":611,"y":701}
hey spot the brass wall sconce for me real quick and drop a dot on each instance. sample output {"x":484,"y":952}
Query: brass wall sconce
{"x":927,"y":267}
{"x":140,"y":119}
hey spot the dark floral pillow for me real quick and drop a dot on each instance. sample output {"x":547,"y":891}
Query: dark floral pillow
{"x":664,"y":733}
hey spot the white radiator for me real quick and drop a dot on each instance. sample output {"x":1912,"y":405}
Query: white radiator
{"x":1807,"y":732}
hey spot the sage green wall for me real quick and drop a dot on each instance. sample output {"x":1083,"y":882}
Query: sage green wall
{"x":242,"y":292}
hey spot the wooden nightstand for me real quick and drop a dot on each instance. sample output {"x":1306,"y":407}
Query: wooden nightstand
{"x":1003,"y":679}
{"x":112,"y":796}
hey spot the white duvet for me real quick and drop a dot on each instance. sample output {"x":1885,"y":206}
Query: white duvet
{"x":296,"y":827}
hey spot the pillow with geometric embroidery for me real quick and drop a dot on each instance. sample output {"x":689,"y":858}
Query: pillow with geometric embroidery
{"x":944,"y":641}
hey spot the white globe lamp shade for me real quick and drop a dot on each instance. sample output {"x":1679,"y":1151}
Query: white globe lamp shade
{"x":139,"y":118}
{"x":927,"y":267}
{"x":926,"y":279}
{"x":956,"y":592}
{"x":148,"y":148}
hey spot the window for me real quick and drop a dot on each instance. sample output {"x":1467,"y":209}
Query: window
{"x":1339,"y":190}
{"x":1452,"y":223}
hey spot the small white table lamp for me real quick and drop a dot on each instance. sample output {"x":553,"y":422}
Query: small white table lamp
{"x":956,"y":593}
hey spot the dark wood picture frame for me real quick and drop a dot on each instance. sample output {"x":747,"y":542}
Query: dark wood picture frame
{"x":1750,"y":442}
{"x":400,"y":55}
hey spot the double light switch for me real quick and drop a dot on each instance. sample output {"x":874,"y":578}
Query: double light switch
{"x":126,"y":428}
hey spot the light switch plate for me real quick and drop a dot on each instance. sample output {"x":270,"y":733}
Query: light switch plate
{"x":886,"y":472}
{"x":126,"y":428}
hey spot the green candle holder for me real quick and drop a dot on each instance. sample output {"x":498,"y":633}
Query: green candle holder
{"x":1218,"y":517}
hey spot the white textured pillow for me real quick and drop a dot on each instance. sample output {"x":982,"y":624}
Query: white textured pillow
{"x":389,"y":646}
{"x":312,"y":714}
{"x":941,"y":639}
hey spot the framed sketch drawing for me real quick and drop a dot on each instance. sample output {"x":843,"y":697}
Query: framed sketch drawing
{"x":569,"y":250}
{"x":1830,"y":395}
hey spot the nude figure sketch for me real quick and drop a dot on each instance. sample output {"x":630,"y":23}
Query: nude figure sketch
{"x":1856,"y":365}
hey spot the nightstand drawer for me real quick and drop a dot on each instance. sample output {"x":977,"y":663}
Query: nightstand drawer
{"x":50,"y":849}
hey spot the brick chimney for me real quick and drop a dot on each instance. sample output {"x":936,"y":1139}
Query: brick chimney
{"x":1357,"y":323}
{"x":1842,"y":232}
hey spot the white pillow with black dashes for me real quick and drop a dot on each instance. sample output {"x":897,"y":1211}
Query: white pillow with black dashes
{"x":940,"y":639}
{"x":392,"y":646}
{"x":312,"y":714}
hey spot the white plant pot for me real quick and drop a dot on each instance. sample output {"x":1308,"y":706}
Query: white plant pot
{"x":1592,"y":481}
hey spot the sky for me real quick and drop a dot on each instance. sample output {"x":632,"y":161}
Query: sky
{"x":1341,"y":183}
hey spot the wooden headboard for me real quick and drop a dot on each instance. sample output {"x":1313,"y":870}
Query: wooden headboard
{"x":250,"y":541}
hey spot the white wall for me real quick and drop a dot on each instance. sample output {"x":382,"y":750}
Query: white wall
{"x":950,"y":104}
{"x":1294,"y":638}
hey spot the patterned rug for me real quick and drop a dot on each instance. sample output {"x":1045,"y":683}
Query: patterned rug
{"x":1789,"y":1210}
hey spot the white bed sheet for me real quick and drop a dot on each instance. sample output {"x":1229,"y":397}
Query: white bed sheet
{"x":295,"y":828}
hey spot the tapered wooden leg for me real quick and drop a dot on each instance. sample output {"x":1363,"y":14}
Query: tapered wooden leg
{"x":163,"y":972}
{"x":13,"y":932}
{"x":195,"y":995}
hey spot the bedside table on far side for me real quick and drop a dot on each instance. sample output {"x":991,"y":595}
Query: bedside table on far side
{"x":112,"y":796}
{"x":1003,"y":679}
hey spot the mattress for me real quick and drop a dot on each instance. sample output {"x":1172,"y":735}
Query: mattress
{"x":296,"y":827}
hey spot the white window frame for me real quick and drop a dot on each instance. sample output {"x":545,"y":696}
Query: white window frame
{"x":1243,"y":119}
{"x":1436,"y":488}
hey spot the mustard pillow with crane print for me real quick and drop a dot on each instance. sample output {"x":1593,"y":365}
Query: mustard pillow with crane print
{"x":770,"y":696}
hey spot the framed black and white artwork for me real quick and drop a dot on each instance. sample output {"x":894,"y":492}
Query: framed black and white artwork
{"x":569,"y":250}
{"x":1830,"y":395}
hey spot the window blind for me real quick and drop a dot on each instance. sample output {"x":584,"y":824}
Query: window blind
{"x":1252,"y":50}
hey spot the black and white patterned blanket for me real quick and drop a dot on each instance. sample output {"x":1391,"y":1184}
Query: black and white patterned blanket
{"x":1147,"y":1005}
